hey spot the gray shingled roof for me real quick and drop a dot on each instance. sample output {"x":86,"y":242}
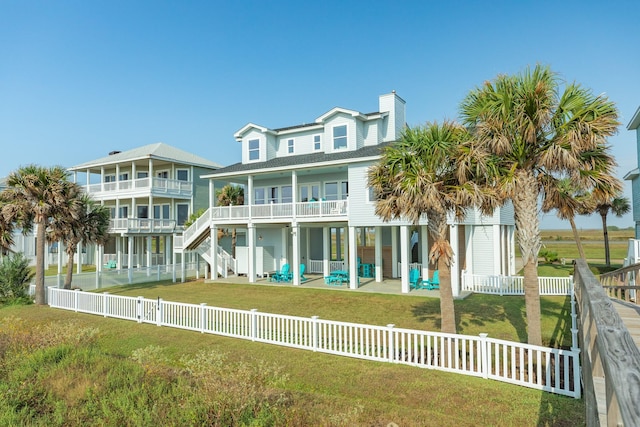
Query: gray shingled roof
{"x":158,"y":151}
{"x":303,"y":159}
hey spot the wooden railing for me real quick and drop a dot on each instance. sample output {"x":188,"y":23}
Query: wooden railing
{"x":610,"y":358}
{"x":621,"y":284}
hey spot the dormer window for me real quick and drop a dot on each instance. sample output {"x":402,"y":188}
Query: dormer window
{"x":290,"y":146}
{"x":316,"y":143}
{"x":254,"y":149}
{"x":340,"y":137}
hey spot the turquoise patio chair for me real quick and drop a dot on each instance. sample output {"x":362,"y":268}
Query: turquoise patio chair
{"x":281,"y":276}
{"x":434,"y":283}
{"x":415,"y":281}
{"x":302,"y":269}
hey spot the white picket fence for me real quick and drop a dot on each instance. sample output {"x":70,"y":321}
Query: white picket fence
{"x":109,"y":278}
{"x":514,"y":285}
{"x":552,"y":370}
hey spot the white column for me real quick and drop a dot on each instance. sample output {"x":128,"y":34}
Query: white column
{"x":150,"y":174}
{"x":213,"y":232}
{"x":394,"y":252}
{"x":326,"y":250}
{"x":60,"y":257}
{"x":455,"y":270}
{"x":424,"y":248}
{"x":249,"y":197}
{"x":100,"y":252}
{"x":353,"y":254}
{"x":378,"y":254}
{"x":183,"y":275}
{"x":168,"y":248}
{"x":251,"y":243}
{"x":88,"y":172}
{"x":133,"y":173}
{"x":119,"y":245}
{"x":117,"y":178}
{"x":130,"y":257}
{"x":149,"y":255}
{"x":404,"y":258}
{"x":79,"y":252}
{"x":496,"y":249}
{"x":295,"y":268}
{"x":345,"y":247}
{"x":102,"y":178}
{"x":294,"y":192}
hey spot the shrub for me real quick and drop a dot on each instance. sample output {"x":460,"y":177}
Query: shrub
{"x":15,"y":276}
{"x":548,"y":255}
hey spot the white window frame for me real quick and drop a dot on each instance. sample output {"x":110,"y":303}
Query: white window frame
{"x":124,"y":176}
{"x":142,"y":174}
{"x":182,"y":170}
{"x":161,"y":174}
{"x":138,"y":207}
{"x":110,"y":178}
{"x":290,"y":146}
{"x":177,"y":210}
{"x":161,"y":209}
{"x":317,"y":142}
{"x":255,"y":150}
{"x":345,"y":137}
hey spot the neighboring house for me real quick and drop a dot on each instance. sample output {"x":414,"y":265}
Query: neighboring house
{"x":151,"y":191}
{"x":307,"y":202}
{"x":634,"y":177}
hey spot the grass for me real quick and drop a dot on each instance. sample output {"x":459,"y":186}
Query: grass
{"x":323,"y":389}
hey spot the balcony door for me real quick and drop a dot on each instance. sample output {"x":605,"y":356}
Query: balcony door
{"x":309,"y":192}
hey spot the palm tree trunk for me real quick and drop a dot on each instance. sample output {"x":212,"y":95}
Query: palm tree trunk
{"x":68,"y":278}
{"x":40,"y":245}
{"x":441,"y":255}
{"x":576,"y":237}
{"x":525,"y":209}
{"x":447,"y":308}
{"x":605,"y":232}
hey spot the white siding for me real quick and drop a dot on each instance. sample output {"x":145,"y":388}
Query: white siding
{"x":361,"y":210}
{"x":303,"y":143}
{"x":254,"y":134}
{"x":482,"y":247}
{"x":338,"y":120}
{"x":372,"y":132}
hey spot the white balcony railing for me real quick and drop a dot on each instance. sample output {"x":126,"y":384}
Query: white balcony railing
{"x":142,"y":225}
{"x":319,"y":209}
{"x":143,"y":185}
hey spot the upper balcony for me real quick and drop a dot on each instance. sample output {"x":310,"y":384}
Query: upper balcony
{"x":142,"y":226}
{"x":141,"y":187}
{"x":302,"y":211}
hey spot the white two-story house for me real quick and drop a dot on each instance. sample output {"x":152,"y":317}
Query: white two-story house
{"x":151,"y":191}
{"x":307,"y":202}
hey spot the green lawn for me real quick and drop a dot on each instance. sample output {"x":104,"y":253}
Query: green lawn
{"x":331,"y":390}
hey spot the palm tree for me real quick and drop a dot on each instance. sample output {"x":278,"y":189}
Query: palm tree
{"x":34,"y":195}
{"x":417,"y":176}
{"x":618,"y":206}
{"x":568,"y":202}
{"x":231,"y":195}
{"x":85,"y":222}
{"x":6,"y":233}
{"x":534,"y":129}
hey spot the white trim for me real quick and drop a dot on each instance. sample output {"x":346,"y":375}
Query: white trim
{"x":346,"y":137}
{"x":348,"y":161}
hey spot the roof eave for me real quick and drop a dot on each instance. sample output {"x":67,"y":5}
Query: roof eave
{"x":632,"y":174}
{"x":635,"y":121}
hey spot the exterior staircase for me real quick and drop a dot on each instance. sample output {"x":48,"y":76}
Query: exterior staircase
{"x":197,"y":237}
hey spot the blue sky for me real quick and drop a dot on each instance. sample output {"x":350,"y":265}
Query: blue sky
{"x":81,"y":78}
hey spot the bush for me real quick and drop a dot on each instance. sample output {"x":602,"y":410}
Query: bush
{"x":15,"y":276}
{"x":548,"y":255}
